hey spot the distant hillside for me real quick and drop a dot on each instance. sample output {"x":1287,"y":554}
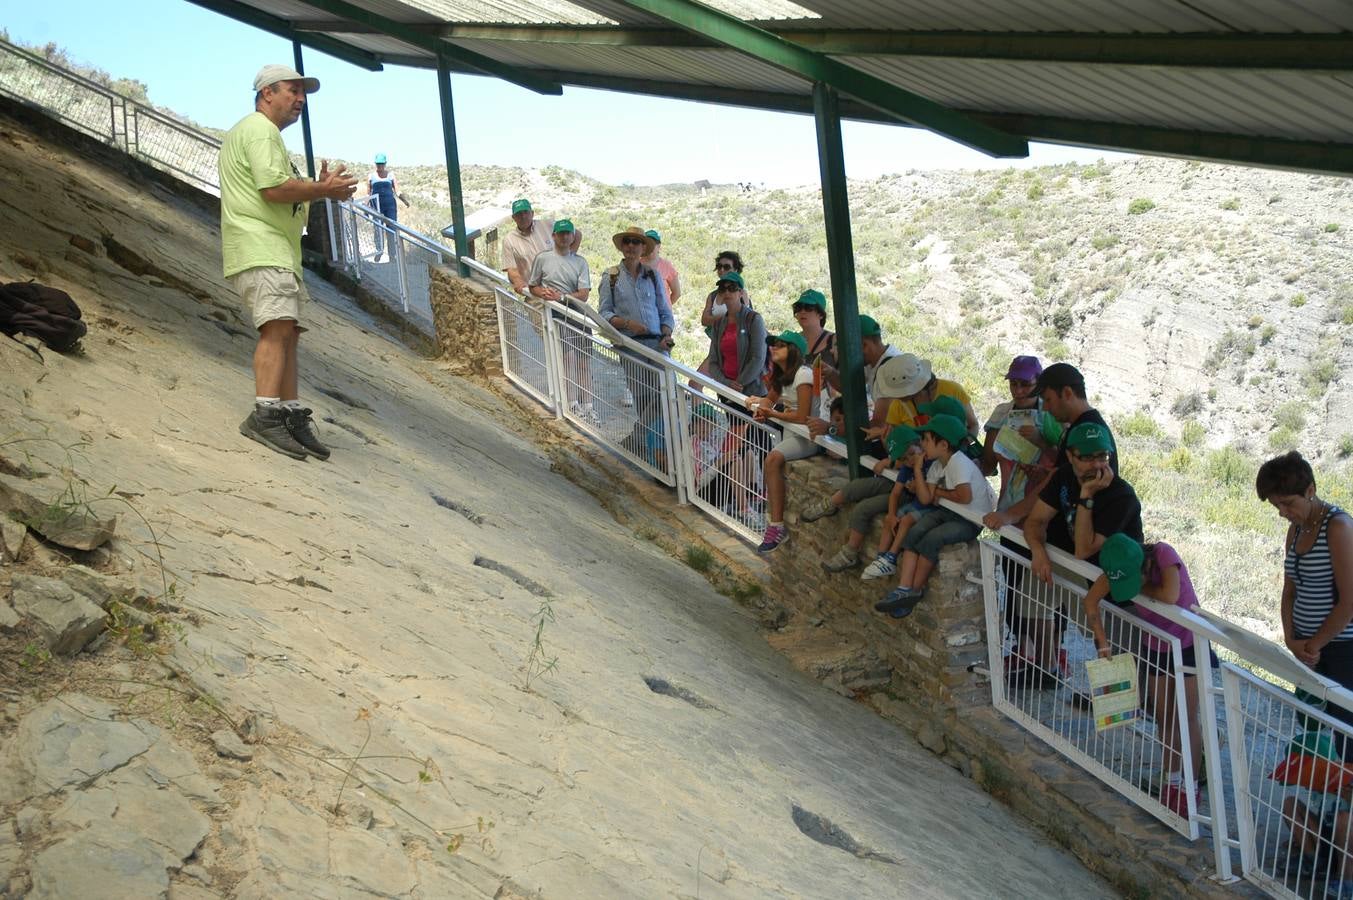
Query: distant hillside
{"x":1198,"y":293}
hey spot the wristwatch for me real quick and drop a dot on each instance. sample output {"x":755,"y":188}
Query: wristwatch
{"x":1087,"y":502}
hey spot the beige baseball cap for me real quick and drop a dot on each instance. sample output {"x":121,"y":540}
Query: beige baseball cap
{"x":275,"y":73}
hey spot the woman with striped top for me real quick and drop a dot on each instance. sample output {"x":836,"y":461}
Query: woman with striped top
{"x":1317,"y":603}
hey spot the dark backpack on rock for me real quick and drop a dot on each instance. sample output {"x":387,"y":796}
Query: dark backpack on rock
{"x":43,"y":312}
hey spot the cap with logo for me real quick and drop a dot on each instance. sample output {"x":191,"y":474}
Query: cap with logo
{"x":657,"y":238}
{"x":1121,"y":559}
{"x":900,"y":438}
{"x":270,"y":75}
{"x":951,"y":429}
{"x":944,"y":406}
{"x":869,"y":327}
{"x":1090,"y":437}
{"x":563,"y":226}
{"x":811,"y":297}
{"x":790,"y":337}
{"x":732,"y":277}
{"x":521,"y":206}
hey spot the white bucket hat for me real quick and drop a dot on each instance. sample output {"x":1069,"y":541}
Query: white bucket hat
{"x":902,"y":376}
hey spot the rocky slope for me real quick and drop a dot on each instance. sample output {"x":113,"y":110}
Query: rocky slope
{"x":377,"y":614}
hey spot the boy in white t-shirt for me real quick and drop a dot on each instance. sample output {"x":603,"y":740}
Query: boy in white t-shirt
{"x":960,"y":482}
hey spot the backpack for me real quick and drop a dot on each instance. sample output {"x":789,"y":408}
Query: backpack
{"x":42,"y":312}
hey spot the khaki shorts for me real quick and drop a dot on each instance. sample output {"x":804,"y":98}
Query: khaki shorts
{"x":271,"y":293}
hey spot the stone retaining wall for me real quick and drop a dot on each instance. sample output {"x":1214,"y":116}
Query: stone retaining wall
{"x":466,"y":314}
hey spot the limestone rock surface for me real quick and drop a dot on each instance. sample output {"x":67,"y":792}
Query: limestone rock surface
{"x":67,"y":620}
{"x":41,"y":505}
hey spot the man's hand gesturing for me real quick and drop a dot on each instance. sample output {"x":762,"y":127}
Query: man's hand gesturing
{"x":337,"y":185}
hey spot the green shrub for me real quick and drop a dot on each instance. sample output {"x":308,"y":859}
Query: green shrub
{"x":1229,"y":467}
{"x":1192,"y":434}
{"x":699,"y":558}
{"x":1291,"y":415}
{"x":1298,"y":301}
{"x":1137,"y":424}
{"x":1346,"y":446}
{"x":1331,"y":228}
{"x":1282,"y":440}
{"x":1231,"y":203}
{"x":1254,"y":322}
{"x":1104,"y":240}
{"x":1035,"y":191}
{"x":1139,"y":206}
{"x":1267,"y":334}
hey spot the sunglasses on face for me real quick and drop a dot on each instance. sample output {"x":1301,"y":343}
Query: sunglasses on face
{"x":630,"y":242}
{"x":723,"y":267}
{"x":728,"y":287}
{"x":804,"y":307}
{"x":1102,"y":456}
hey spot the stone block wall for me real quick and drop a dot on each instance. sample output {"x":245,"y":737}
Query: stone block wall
{"x":466,"y":316}
{"x":832,"y":630}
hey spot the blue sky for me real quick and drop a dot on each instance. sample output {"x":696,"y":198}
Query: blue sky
{"x":202,"y":65}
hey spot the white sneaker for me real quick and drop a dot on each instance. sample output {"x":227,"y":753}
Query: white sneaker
{"x":881,"y":567}
{"x":628,"y":398}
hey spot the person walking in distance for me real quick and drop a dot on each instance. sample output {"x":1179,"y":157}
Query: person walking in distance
{"x":382,"y":190}
{"x":264,"y":206}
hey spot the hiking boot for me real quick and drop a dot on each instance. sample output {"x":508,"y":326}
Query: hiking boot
{"x":845,"y":558}
{"x":268,"y":426}
{"x":299,"y":424}
{"x":775,"y":536}
{"x":819,"y":509}
{"x":884,"y":564}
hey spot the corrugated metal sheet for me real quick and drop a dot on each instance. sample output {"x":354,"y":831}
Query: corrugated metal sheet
{"x":509,"y":12}
{"x":1262,"y":16}
{"x":1277,"y":104}
{"x":726,"y":68}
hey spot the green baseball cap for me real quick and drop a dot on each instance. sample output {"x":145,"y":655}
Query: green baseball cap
{"x":1090,"y":437}
{"x":563,"y":226}
{"x":944,"y":406}
{"x":869,"y":328}
{"x":730,"y":276}
{"x":951,"y":429}
{"x":899,"y":439}
{"x":812,"y":298}
{"x":790,"y":337}
{"x":1121,"y":559}
{"x":520,"y":206}
{"x":654,"y":235}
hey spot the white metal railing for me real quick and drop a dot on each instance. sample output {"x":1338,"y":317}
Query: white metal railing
{"x":136,"y":129}
{"x":392,"y":261}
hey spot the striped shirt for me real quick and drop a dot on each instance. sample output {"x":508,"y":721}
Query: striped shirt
{"x":1312,"y":577}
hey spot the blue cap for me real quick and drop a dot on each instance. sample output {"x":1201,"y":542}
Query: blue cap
{"x":380,"y":159}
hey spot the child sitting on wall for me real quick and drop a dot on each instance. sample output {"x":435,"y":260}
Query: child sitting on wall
{"x":904,"y":509}
{"x":957,"y":480}
{"x":872,"y":496}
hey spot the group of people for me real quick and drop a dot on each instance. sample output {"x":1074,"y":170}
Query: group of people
{"x":1054,"y":453}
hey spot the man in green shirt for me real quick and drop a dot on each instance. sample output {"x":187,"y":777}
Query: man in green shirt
{"x":265,"y":204}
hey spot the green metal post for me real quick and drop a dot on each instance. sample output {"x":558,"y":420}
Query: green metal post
{"x":841,"y":260}
{"x":452,"y":162}
{"x":305,"y":115}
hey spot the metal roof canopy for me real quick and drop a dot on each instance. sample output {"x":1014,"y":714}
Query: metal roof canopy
{"x":1205,"y":79}
{"x":1259,"y":84}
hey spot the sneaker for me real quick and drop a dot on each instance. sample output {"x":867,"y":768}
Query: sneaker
{"x":820,"y":509}
{"x":268,"y":426}
{"x":1174,"y":798}
{"x":845,"y":558}
{"x":628,"y":399}
{"x":884,"y":564}
{"x":299,"y":424}
{"x":900,"y":602}
{"x":589,"y":413}
{"x":775,"y":536}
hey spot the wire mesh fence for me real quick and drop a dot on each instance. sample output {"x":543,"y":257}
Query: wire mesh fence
{"x":1150,"y":751}
{"x":522,"y":337}
{"x":172,"y":146}
{"x":615,"y":394}
{"x":70,"y":98}
{"x":726,"y":450}
{"x":1292,"y":788}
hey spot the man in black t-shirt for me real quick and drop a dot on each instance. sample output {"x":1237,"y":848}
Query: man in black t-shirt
{"x":1061,"y":387}
{"x":1084,"y":503}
